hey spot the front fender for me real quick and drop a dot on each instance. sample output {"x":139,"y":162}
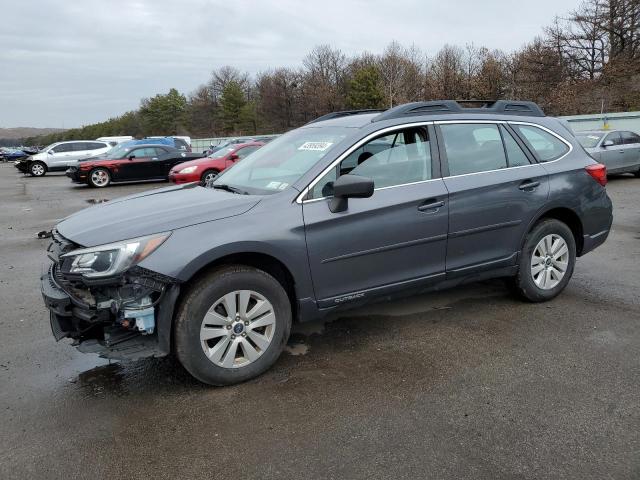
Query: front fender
{"x":268,"y":230}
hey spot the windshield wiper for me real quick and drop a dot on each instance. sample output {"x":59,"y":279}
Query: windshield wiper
{"x":229,"y":188}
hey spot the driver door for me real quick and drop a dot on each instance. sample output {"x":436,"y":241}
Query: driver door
{"x":389,"y":241}
{"x":612,"y":156}
{"x":138,"y":165}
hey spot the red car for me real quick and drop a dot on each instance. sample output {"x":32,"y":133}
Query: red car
{"x":204,"y":169}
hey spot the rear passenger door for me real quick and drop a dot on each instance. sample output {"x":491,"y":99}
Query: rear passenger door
{"x":495,"y":189}
{"x":394,"y":239}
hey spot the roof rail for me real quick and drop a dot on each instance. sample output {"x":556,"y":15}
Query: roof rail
{"x":344,"y":113}
{"x":503,"y":107}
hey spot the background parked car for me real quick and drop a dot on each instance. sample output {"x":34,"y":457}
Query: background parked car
{"x":11,"y":154}
{"x":184,"y":139}
{"x":178,"y":142}
{"x":59,"y":156}
{"x":619,"y":150}
{"x":229,"y":143}
{"x":113,"y":141}
{"x":205,"y":169}
{"x":128,"y":163}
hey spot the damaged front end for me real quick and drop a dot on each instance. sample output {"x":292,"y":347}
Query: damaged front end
{"x":107,"y":304}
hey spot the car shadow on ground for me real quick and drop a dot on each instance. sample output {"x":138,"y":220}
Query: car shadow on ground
{"x":355,"y":335}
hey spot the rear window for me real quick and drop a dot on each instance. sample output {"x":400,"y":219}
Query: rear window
{"x":545,"y":146}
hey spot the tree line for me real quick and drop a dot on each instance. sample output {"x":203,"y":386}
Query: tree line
{"x":585,"y":61}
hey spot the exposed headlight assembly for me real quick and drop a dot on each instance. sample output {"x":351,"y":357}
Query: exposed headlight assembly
{"x":188,"y":170}
{"x":113,"y":258}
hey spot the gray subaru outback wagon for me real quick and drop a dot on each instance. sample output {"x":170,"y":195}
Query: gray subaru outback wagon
{"x":352,"y":207}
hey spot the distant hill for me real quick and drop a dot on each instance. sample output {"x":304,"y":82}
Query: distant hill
{"x":24,"y":132}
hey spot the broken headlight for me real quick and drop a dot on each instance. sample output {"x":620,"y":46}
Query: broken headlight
{"x":113,"y":258}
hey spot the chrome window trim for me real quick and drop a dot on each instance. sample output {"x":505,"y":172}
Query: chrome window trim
{"x":369,"y":137}
{"x":548,"y":130}
{"x":350,"y":150}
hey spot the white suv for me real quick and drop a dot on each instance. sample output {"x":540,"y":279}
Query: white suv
{"x":59,"y":156}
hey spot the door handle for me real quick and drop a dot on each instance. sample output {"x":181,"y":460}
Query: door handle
{"x":529,"y":186}
{"x":430,"y":205}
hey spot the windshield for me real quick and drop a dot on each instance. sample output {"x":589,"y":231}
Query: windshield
{"x":119,"y":151}
{"x":221,"y":153}
{"x":589,"y":140}
{"x":282,"y":162}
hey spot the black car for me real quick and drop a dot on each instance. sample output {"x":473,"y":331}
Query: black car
{"x":129,"y":164}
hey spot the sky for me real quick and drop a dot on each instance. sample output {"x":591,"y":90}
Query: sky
{"x":67,"y":63}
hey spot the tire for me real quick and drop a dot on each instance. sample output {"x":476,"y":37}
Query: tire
{"x":532,"y":286}
{"x":637,"y":173}
{"x":208,"y":173}
{"x":99,"y":178}
{"x":37,"y":169}
{"x":206,"y":358}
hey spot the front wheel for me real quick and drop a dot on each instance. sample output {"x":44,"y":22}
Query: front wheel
{"x":37,"y":169}
{"x":99,"y":178}
{"x":208,"y":176}
{"x":547,"y":261}
{"x":232,"y":325}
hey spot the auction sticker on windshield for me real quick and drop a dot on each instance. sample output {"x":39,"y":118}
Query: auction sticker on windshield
{"x":315,"y":146}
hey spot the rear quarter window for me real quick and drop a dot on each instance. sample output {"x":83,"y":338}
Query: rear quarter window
{"x":543,"y":144}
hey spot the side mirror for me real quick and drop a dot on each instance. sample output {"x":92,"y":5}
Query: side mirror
{"x":233,"y":157}
{"x":50,"y":152}
{"x":131,"y":157}
{"x":607,"y":143}
{"x":349,"y":186}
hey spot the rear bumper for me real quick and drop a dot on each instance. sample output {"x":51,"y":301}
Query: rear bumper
{"x":601,"y":219}
{"x":591,"y":242}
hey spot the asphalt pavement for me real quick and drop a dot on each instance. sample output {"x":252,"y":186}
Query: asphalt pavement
{"x":466,"y":383}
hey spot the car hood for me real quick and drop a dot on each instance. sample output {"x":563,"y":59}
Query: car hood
{"x":197,"y":163}
{"x":151,"y":212}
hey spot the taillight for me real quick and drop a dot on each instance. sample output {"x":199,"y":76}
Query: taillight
{"x":598,"y":172}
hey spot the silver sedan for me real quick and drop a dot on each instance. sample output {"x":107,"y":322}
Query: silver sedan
{"x":619,"y":150}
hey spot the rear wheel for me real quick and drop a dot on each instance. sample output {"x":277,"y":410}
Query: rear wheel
{"x":547,"y":261}
{"x":37,"y":169}
{"x":232,"y":325}
{"x":99,"y":177}
{"x":208,"y":176}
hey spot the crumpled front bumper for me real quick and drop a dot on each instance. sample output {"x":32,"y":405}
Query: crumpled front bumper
{"x":22,"y":165}
{"x":95,"y":330}
{"x":76,"y":175}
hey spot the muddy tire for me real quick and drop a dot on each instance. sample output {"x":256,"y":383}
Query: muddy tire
{"x":232,"y":325}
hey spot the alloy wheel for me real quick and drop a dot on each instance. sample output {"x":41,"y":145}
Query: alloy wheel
{"x":209,"y":177}
{"x":237,"y":329}
{"x":549,"y":261}
{"x":100,"y":178}
{"x":37,"y":169}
